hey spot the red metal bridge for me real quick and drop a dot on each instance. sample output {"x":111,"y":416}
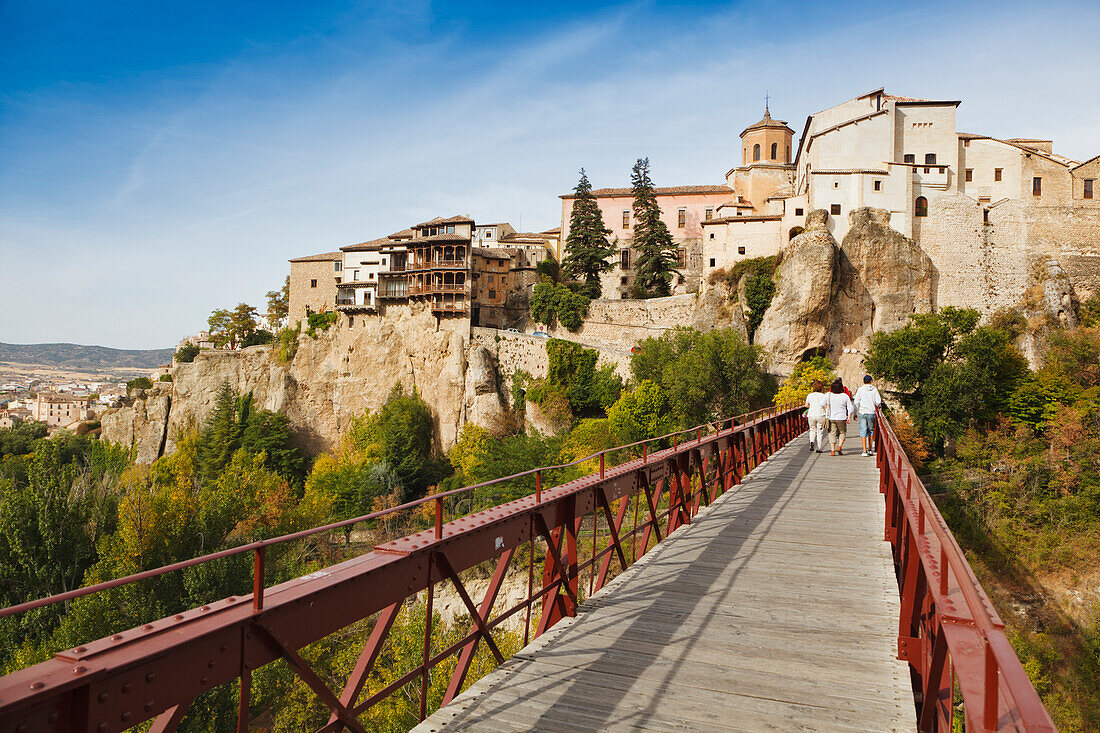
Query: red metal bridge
{"x":732,"y":581}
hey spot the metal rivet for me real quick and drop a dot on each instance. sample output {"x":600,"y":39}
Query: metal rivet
{"x":116,"y":637}
{"x":125,"y":688}
{"x":230,"y":599}
{"x":147,"y":627}
{"x":52,"y":717}
{"x":148,"y":706}
{"x":126,"y":716}
{"x":79,"y":669}
{"x":21,"y":728}
{"x":150,"y":677}
{"x":223,"y":647}
{"x":37,"y":685}
{"x":205,"y":608}
{"x":203,"y":680}
{"x":80,"y":649}
{"x":210,"y":664}
{"x":103,"y":696}
{"x":178,"y":617}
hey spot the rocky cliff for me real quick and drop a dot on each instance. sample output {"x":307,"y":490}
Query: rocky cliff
{"x":831,"y":297}
{"x":338,"y":375}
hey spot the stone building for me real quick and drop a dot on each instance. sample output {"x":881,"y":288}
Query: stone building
{"x":313,"y":282}
{"x":61,"y":410}
{"x":489,"y":286}
{"x":982,"y":208}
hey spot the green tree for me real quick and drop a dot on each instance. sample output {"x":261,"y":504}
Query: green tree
{"x":640,"y":413}
{"x":587,"y":248}
{"x":187,"y":353}
{"x":555,"y":302}
{"x":656,"y":260}
{"x":230,"y":327}
{"x":707,"y":375}
{"x":950,"y":373}
{"x":278,"y":306}
{"x":800,"y":383}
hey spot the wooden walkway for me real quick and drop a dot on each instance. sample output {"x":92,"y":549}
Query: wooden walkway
{"x":775,"y":610}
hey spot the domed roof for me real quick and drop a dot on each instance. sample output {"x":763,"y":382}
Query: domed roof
{"x":767,"y":121}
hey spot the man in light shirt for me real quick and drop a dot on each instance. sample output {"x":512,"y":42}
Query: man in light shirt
{"x":866,"y":400}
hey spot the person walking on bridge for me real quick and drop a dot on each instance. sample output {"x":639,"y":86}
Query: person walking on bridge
{"x":840,"y":410}
{"x":866,"y":401}
{"x":815,"y":415}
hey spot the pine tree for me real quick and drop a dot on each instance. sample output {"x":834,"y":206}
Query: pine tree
{"x":587,"y":248}
{"x":656,"y":253}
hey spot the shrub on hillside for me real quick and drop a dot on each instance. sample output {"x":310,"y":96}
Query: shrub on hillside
{"x":187,"y":353}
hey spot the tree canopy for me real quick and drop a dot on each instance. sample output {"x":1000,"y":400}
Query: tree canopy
{"x":949,"y":372}
{"x":656,"y":261}
{"x":587,"y":248}
{"x":706,"y":375}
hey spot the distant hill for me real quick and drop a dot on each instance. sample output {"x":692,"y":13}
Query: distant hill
{"x":81,"y":357}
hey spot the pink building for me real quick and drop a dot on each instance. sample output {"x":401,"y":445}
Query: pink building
{"x":61,"y":410}
{"x":683,"y":210}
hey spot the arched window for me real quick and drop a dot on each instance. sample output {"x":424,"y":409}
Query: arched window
{"x":775,"y":150}
{"x":756,"y":152}
{"x":921,"y":207}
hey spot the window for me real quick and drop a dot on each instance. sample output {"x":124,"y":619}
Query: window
{"x":712,"y":235}
{"x":492,"y":294}
{"x":969,"y":175}
{"x":836,"y":184}
{"x":370,"y":275}
{"x":351,"y":321}
{"x":489,"y":234}
{"x":985,"y":216}
{"x":337,"y":266}
{"x":313,"y":283}
{"x":709,"y":214}
{"x":354,"y":274}
{"x":681,"y":218}
{"x":998,"y":174}
{"x":775,"y":150}
{"x":920,"y":208}
{"x":383,"y":260}
{"x":740,"y":250}
{"x":712,"y":262}
{"x":626,"y":218}
{"x":798,"y":212}
{"x":1088,"y":187}
{"x":623,"y":280}
{"x":929,"y":158}
{"x":1037,"y":186}
{"x":450,"y":229}
{"x":878,"y":185}
{"x":834,"y":209}
{"x":910,"y":158}
{"x":756,"y":152}
{"x":788,"y":153}
{"x":338,"y":280}
{"x":681,"y":257}
{"x":624,"y":259}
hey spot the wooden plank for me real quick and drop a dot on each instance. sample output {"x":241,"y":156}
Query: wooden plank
{"x":775,"y":609}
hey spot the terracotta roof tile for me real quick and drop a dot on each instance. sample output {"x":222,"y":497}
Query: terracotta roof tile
{"x":324,"y":257}
{"x":734,"y":219}
{"x":449,"y":220}
{"x":366,"y":246}
{"x":659,"y":190}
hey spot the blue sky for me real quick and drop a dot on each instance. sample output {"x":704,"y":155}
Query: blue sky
{"x":159,"y":160}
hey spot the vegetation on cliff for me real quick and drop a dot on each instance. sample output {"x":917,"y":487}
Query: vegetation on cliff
{"x":1016,"y":473}
{"x":758,"y":275}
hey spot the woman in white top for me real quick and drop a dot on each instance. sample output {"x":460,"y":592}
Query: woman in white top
{"x":815,"y":415}
{"x":839,"y":409}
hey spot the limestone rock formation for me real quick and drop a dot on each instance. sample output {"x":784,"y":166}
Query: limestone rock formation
{"x":143,"y":425}
{"x":332,"y":378}
{"x":1049,"y":302}
{"x":484,"y":404}
{"x":797,"y":323}
{"x":884,"y":277}
{"x":536,"y":419}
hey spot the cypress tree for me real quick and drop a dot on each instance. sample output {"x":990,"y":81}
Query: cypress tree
{"x":656,"y":253}
{"x":587,"y":248}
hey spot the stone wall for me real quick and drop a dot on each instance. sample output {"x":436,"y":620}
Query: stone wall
{"x":619,"y":324}
{"x":304,"y":295}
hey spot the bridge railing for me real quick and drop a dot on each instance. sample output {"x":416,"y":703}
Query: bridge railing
{"x":157,"y":669}
{"x":949,"y":631}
